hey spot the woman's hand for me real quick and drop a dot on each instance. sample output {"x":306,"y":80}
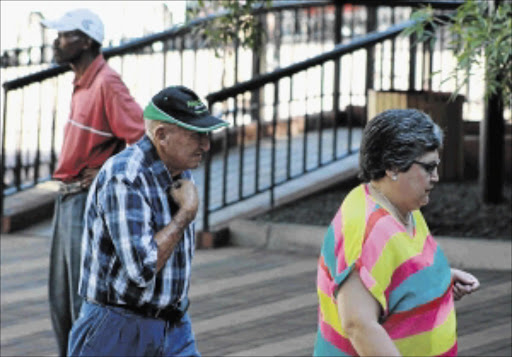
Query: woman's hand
{"x":463,"y":283}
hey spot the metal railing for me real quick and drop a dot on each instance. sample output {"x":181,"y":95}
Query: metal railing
{"x":35,"y":106}
{"x":313,"y":115}
{"x":300,"y":103}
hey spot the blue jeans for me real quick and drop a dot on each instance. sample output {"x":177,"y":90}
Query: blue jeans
{"x":114,"y":331}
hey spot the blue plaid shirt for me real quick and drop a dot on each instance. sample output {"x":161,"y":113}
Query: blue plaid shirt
{"x":127,"y":205}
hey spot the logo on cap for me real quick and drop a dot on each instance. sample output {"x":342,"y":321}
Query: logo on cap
{"x":197,"y":106}
{"x":86,"y":24}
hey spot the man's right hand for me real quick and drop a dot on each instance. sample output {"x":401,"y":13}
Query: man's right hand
{"x":184,"y":194}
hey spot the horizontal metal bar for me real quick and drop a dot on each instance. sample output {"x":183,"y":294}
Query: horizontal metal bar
{"x":12,"y":190}
{"x":180,"y":30}
{"x":338,"y":51}
{"x":137,"y":44}
{"x":436,"y":4}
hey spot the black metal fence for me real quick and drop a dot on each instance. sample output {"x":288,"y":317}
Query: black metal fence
{"x":308,"y":121}
{"x":35,"y":106}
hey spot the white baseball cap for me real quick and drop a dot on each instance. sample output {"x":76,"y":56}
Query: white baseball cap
{"x":79,"y":19}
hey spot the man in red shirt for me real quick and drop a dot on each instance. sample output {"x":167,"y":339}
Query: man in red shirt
{"x":104,"y":118}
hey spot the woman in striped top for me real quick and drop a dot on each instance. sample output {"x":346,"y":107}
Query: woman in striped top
{"x":384,"y":285}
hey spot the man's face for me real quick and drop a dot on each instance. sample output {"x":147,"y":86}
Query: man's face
{"x":182,"y":149}
{"x":69,"y":46}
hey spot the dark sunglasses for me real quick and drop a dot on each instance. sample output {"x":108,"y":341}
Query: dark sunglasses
{"x":428,"y":167}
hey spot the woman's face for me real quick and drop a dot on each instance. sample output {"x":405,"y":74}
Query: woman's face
{"x":416,"y":183}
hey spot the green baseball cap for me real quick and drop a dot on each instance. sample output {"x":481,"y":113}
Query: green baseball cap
{"x":181,"y":106}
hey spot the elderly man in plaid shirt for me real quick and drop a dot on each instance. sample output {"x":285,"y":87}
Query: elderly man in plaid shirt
{"x":138,"y":239}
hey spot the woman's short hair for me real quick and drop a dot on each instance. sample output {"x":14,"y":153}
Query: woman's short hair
{"x":393,"y":139}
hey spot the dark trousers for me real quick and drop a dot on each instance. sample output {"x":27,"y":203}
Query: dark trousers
{"x":65,"y":254}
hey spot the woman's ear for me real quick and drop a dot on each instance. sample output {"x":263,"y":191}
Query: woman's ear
{"x":392,"y":174}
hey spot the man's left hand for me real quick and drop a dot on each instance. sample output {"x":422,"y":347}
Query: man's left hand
{"x":87,"y":175}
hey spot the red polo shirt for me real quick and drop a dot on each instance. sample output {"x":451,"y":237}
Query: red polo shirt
{"x":104,"y":117}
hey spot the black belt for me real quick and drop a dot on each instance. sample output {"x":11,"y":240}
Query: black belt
{"x":171,"y":314}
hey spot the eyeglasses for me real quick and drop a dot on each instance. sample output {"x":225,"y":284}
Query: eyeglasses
{"x":428,"y":167}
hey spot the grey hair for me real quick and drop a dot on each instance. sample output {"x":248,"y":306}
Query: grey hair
{"x":151,"y":126}
{"x":393,"y":139}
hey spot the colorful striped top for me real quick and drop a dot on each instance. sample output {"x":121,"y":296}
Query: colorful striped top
{"x":408,"y":275}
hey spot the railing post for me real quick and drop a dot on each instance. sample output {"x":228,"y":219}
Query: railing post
{"x":225,"y":162}
{"x":305,"y":135}
{"x":274,"y":129}
{"x":412,"y":62}
{"x":182,"y":59}
{"x":53,"y":154}
{"x":206,"y":185}
{"x":289,"y":132}
{"x":258,"y":64}
{"x":371,"y":25}
{"x":4,"y":125}
{"x":165,"y":49}
{"x":393,"y":49}
{"x":427,"y":63}
{"x":320,"y":119}
{"x":37,"y":160}
{"x":240,"y":140}
{"x":18,"y":164}
{"x":278,"y":33}
{"x":338,"y":37}
{"x":236,"y":59}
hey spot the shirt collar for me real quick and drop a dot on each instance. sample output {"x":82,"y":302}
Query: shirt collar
{"x":91,"y":72}
{"x":156,"y":165}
